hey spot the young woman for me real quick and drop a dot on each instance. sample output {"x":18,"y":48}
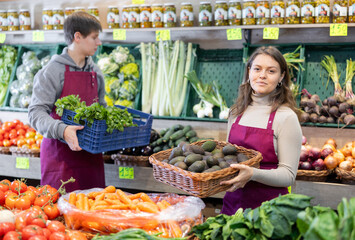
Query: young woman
{"x":264,"y":119}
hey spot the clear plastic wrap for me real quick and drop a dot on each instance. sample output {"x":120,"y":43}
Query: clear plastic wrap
{"x":14,"y":100}
{"x":24,"y":100}
{"x":27,"y":56}
{"x":14,"y":88}
{"x":174,"y":221}
{"x":45,"y":60}
{"x":33,"y":65}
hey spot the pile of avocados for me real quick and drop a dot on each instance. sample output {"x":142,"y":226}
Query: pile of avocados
{"x":204,"y":158}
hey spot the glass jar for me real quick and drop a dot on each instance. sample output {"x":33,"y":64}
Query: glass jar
{"x":307,"y":11}
{"x":351,"y":11}
{"x":340,"y":11}
{"x":79,"y":9}
{"x":113,"y":17}
{"x":262,"y":12}
{"x":47,"y":20}
{"x":68,"y":11}
{"x":169,"y":15}
{"x":205,"y":14}
{"x":3,"y":20}
{"x":186,"y":15}
{"x":221,"y":13}
{"x":25,"y":19}
{"x":145,"y":16}
{"x":12,"y":20}
{"x":125,"y":16}
{"x":58,"y":18}
{"x":234,"y":12}
{"x":94,"y":11}
{"x":157,"y":16}
{"x":133,"y":17}
{"x":293,"y":12}
{"x":248,"y":12}
{"x":322,"y":11}
{"x":277,"y":12}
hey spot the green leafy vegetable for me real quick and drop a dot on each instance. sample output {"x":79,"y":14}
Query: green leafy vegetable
{"x":133,"y":234}
{"x":8,"y":56}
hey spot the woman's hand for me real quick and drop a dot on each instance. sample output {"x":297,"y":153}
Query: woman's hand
{"x":244,"y":175}
{"x":71,"y":138}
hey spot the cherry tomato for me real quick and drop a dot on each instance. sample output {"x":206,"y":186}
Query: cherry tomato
{"x":58,"y":236}
{"x":21,"y":132}
{"x":52,"y":211}
{"x":5,"y":185}
{"x":36,"y":217}
{"x":23,"y":203}
{"x":20,"y":221}
{"x":38,"y":237}
{"x":33,"y":189}
{"x":2,"y":198}
{"x":12,"y":235}
{"x":18,"y":186}
{"x":56,"y":226}
{"x":6,"y":227}
{"x":7,"y":143}
{"x":41,"y":200}
{"x":31,"y":230}
{"x":16,"y":121}
{"x":47,"y":233}
{"x":10,"y":201}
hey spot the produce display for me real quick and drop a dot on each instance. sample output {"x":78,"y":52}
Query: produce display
{"x":8,"y":57}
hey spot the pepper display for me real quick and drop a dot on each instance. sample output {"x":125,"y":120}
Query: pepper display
{"x":186,"y":15}
{"x":145,"y":16}
{"x":157,"y":16}
{"x":58,"y":18}
{"x":47,"y":20}
{"x":205,"y":14}
{"x":113,"y":17}
{"x":293,"y":12}
{"x":340,"y":11}
{"x":307,"y":11}
{"x":248,"y":12}
{"x":12,"y":20}
{"x":277,"y":12}
{"x":322,"y":11}
{"x":234,"y":12}
{"x":221,"y":13}
{"x":3,"y":20}
{"x":169,"y":15}
{"x":262,"y":12}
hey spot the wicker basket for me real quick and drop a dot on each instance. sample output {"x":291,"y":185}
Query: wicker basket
{"x":347,"y":177}
{"x":5,"y":150}
{"x":312,"y":175}
{"x":24,"y":152}
{"x":198,"y":184}
{"x":129,"y":160}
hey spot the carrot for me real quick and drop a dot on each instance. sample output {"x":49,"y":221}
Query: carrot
{"x":147,"y":207}
{"x":135,"y":201}
{"x":119,"y":206}
{"x":112,"y":196}
{"x":93,"y":194}
{"x":72,"y":198}
{"x":161,"y":206}
{"x":110,"y":189}
{"x":166,"y":203}
{"x":100,"y":197}
{"x":80,"y":201}
{"x":146,"y":198}
{"x":174,"y":228}
{"x":86,"y":203}
{"x":113,"y":202}
{"x":98,"y":203}
{"x":123,"y":197}
{"x":150,"y":224}
{"x":134,"y":196}
{"x":91,"y":203}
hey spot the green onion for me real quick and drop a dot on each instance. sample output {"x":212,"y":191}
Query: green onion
{"x":331,"y":67}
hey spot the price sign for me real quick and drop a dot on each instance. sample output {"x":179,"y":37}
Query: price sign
{"x":138,"y":1}
{"x":119,"y":34}
{"x":289,"y":189}
{"x":2,"y":37}
{"x":338,"y":29}
{"x":163,"y":35}
{"x":38,"y":36}
{"x":22,"y":163}
{"x":271,"y":33}
{"x":126,"y":172}
{"x":234,"y":34}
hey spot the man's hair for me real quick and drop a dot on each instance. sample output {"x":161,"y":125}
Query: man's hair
{"x":81,"y":22}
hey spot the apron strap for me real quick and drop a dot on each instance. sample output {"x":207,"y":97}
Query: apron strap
{"x":271,"y":120}
{"x":238,"y":119}
{"x":67,"y":68}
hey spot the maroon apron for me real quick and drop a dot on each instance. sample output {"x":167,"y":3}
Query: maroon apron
{"x":58,"y":161}
{"x":253,"y":193}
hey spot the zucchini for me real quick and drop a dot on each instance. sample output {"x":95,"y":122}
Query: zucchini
{"x":177,"y":127}
{"x":186,"y":129}
{"x":160,"y":141}
{"x":193,"y":139}
{"x":154,"y":144}
{"x":166,"y":147}
{"x":157,"y":149}
{"x":177,"y":135}
{"x":190,"y":134}
{"x":162,"y":132}
{"x":183,"y":139}
{"x":171,"y":143}
{"x":168,"y":134}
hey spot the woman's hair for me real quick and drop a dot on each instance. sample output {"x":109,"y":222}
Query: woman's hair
{"x":81,"y":22}
{"x":281,"y":96}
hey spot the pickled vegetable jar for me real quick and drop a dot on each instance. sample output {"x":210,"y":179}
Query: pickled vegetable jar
{"x":3,"y":20}
{"x":125,"y":16}
{"x":307,"y":11}
{"x":340,"y":11}
{"x":113,"y":17}
{"x":133,"y":17}
{"x":79,"y":9}
{"x":25,"y":19}
{"x":58,"y":18}
{"x":322,"y":11}
{"x":68,"y":11}
{"x":221,"y":13}
{"x":277,"y":12}
{"x":157,"y":16}
{"x":94,"y":12}
{"x":145,"y":16}
{"x":205,"y":14}
{"x":248,"y":12}
{"x":262,"y":12}
{"x":293,"y":12}
{"x":234,"y":12}
{"x":351,"y":11}
{"x":186,"y":15}
{"x":169,"y":15}
{"x":47,"y":20}
{"x":12,"y":20}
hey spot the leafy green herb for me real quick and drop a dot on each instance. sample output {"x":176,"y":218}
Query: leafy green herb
{"x":70,"y":102}
{"x":8,"y":56}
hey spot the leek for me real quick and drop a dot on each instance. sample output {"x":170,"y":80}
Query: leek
{"x":350,"y":72}
{"x":331,"y":67}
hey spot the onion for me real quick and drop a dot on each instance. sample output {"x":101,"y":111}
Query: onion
{"x":339,"y":156}
{"x":325,"y":152}
{"x":304,"y":140}
{"x":346,"y":165}
{"x":304,"y":156}
{"x":349,"y":144}
{"x":331,"y":162}
{"x":319,"y":165}
{"x":7,"y":216}
{"x":331,"y":141}
{"x":308,"y":147}
{"x":315,"y":153}
{"x":353,"y":152}
{"x":306,"y":166}
{"x":346,"y":151}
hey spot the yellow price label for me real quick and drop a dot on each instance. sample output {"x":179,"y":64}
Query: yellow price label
{"x":38,"y":36}
{"x":271,"y":33}
{"x":2,"y":37}
{"x":289,"y":189}
{"x":138,"y":1}
{"x":119,"y":34}
{"x":339,"y":29}
{"x":22,"y":163}
{"x":234,"y":34}
{"x":126,"y":172}
{"x":163,"y":35}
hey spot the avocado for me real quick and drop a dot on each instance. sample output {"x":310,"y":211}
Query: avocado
{"x":181,"y":144}
{"x":205,"y":162}
{"x":216,"y":168}
{"x":181,"y":165}
{"x":218,"y":155}
{"x":187,"y":153}
{"x":242,"y":158}
{"x":211,"y":161}
{"x":209,"y":146}
{"x":231,"y":159}
{"x":216,"y":150}
{"x":176,"y":152}
{"x":190,"y":159}
{"x":197,"y":167}
{"x":176,"y":159}
{"x":186,"y":148}
{"x":229,"y":150}
{"x":197,"y":149}
{"x":209,"y":170}
{"x":223,"y":164}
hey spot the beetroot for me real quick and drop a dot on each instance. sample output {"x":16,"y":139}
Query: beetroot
{"x":315,"y":153}
{"x":319,"y":165}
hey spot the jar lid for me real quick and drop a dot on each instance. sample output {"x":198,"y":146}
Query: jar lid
{"x":157,"y":4}
{"x":47,"y":9}
{"x":144,"y":5}
{"x":186,"y":3}
{"x":79,"y":8}
{"x":57,"y":9}
{"x":24,"y":10}
{"x":169,"y":4}
{"x":69,"y":8}
{"x":112,"y":7}
{"x":2,"y":11}
{"x":202,"y":3}
{"x":12,"y":10}
{"x":221,"y":1}
{"x":92,"y":7}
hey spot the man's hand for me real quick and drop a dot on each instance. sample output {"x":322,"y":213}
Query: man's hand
{"x":71,"y":138}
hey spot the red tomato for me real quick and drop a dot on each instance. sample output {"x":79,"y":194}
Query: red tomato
{"x":21,"y":132}
{"x":41,"y":200}
{"x":47,"y":233}
{"x":56,"y":226}
{"x":10,"y":201}
{"x":6,"y":227}
{"x":53,"y":193}
{"x":31,"y":230}
{"x":13,"y":141}
{"x":18,"y":186}
{"x":12,"y":235}
{"x":2,"y":137}
{"x":31,"y":195}
{"x":10,"y":125}
{"x":16,"y":121}
{"x":2,"y":198}
{"x":9,"y":192}
{"x":58,"y":236}
{"x":20,"y":221}
{"x":6,"y":135}
{"x":7,"y":143}
{"x":36,"y":217}
{"x":38,"y":237}
{"x":23,"y":203}
{"x":1,"y":143}
{"x":33,"y":189}
{"x":51,"y":210}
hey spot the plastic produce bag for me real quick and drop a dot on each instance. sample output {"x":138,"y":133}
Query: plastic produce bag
{"x":174,"y":221}
{"x":45,"y":60}
{"x":27,"y":56}
{"x":24,"y":100}
{"x":33,"y":65}
{"x":26,"y":86}
{"x":14,"y":101}
{"x":14,"y":88}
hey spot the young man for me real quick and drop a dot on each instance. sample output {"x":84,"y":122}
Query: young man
{"x":72,"y":72}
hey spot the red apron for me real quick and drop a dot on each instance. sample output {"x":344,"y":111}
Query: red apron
{"x":58,"y":162}
{"x":253,"y":193}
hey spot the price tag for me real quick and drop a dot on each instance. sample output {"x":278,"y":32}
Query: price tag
{"x":271,"y":33}
{"x":163,"y":35}
{"x":338,"y":29}
{"x":289,"y":189}
{"x":119,"y":34}
{"x":126,"y":172}
{"x":2,"y":37}
{"x":22,"y":163}
{"x":138,"y":1}
{"x":38,"y":36}
{"x":234,"y":34}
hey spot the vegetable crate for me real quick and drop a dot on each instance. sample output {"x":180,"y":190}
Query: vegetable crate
{"x":95,"y":139}
{"x":224,"y":66}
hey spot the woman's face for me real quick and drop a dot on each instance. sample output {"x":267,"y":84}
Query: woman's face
{"x":264,"y":75}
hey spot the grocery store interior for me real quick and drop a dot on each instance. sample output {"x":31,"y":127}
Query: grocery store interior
{"x":216,"y":50}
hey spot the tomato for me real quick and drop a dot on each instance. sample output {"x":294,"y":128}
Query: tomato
{"x":47,"y":233}
{"x":13,"y":141}
{"x":53,"y":193}
{"x":56,"y":226}
{"x":51,"y":210}
{"x":33,"y":189}
{"x":5,"y":185}
{"x":6,"y":227}
{"x":7,"y":143}
{"x":10,"y":125}
{"x":23,"y":203}
{"x":10,"y":201}
{"x":20,"y":221}
{"x":1,"y":143}
{"x":38,"y":237}
{"x":16,"y":121}
{"x":12,"y":235}
{"x":30,"y":134}
{"x":58,"y":236}
{"x":8,"y":193}
{"x":2,"y":198}
{"x":6,"y":135}
{"x":20,"y":142}
{"x":21,"y":132}
{"x":30,"y":141}
{"x":41,"y":200}
{"x":2,"y":138}
{"x":31,"y":195}
{"x":18,"y":186}
{"x":31,"y":230}
{"x":36,"y":217}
